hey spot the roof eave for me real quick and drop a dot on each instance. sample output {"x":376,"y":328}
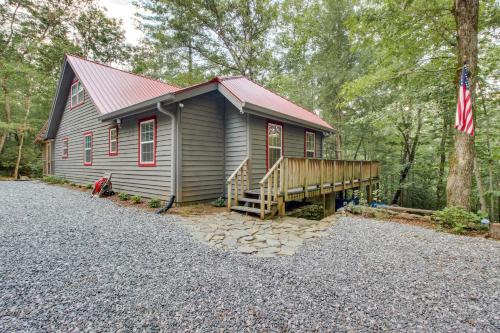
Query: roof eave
{"x":265,"y":112}
{"x":137,"y":108}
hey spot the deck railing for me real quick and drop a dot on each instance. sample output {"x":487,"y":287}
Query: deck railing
{"x":274,"y":184}
{"x":296,"y":178}
{"x":238,"y":182}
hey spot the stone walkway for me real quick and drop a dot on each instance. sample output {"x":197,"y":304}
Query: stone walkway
{"x":250,"y":235}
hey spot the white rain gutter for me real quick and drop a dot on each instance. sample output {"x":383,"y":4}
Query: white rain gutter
{"x":173,"y":134}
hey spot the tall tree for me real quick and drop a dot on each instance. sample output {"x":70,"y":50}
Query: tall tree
{"x":230,"y":35}
{"x":459,"y":185}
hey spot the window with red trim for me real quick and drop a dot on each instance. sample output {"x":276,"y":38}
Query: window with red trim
{"x":113,"y":141}
{"x":310,"y":144}
{"x":274,"y":143}
{"x":77,"y":94}
{"x":87,"y":148}
{"x":147,"y":142}
{"x":65,"y":151}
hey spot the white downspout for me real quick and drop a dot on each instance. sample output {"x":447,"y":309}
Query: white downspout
{"x":173,"y":135}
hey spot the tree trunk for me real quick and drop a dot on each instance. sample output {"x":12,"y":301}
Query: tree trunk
{"x":27,"y":106}
{"x":491,"y":181}
{"x":338,"y":138}
{"x":8,"y":114}
{"x":482,"y":199}
{"x":359,"y":146}
{"x":459,"y":185}
{"x":442,"y":163}
{"x":410,"y":158}
{"x":190,"y":62}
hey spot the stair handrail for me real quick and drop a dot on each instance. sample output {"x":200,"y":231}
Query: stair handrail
{"x":242,"y":169}
{"x":273,"y":181}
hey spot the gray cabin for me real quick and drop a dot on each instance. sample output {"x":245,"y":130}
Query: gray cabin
{"x":217,"y":138}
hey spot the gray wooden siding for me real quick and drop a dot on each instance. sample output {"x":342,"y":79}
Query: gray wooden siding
{"x":235,"y":138}
{"x":293,"y":145}
{"x":202,"y":148}
{"x":148,"y":182}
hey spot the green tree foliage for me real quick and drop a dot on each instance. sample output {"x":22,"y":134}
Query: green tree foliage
{"x":34,"y":36}
{"x":223,"y":37}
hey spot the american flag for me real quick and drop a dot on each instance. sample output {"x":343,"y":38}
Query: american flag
{"x":463,"y":120}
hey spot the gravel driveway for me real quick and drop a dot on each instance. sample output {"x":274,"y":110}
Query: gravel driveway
{"x":68,"y":262}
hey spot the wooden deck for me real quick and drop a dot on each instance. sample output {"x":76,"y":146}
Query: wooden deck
{"x":292,"y":179}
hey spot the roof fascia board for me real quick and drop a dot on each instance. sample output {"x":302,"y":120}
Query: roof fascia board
{"x":231,"y":97}
{"x":55,"y":100}
{"x":266,"y":113}
{"x":137,"y":108}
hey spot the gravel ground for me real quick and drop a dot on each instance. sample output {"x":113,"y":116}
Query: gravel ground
{"x":71,"y":263}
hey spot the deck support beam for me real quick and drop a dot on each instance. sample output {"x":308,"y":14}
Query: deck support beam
{"x":329,"y":204}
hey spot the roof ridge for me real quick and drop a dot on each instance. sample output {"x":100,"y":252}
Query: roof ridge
{"x":121,"y":70}
{"x":229,"y":77}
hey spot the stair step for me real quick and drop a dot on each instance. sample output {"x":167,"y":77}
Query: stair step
{"x":249,"y":209}
{"x":256,"y":201}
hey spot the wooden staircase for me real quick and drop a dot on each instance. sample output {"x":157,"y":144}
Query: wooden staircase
{"x":241,"y":198}
{"x":250,"y":203}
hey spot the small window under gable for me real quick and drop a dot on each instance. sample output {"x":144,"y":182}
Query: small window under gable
{"x":65,"y":151}
{"x":77,"y":94}
{"x":310,"y":144}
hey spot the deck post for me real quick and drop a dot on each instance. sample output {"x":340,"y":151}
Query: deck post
{"x":262,"y":202}
{"x":360,"y":173}
{"x":285,"y":178}
{"x":370,"y":185}
{"x":236,"y":190}
{"x":352,"y":174}
{"x":321,"y":177}
{"x":281,"y":206}
{"x":306,"y":173}
{"x":343,"y":175}
{"x":229,"y":195}
{"x":328,"y":204}
{"x":333,"y":177}
{"x":247,"y":173}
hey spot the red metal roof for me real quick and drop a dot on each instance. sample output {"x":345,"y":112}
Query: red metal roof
{"x":250,"y":92}
{"x":112,"y":89}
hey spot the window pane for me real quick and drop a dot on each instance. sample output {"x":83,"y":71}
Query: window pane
{"x":80,"y":96}
{"x":147,"y":154}
{"x":87,"y":155}
{"x":274,"y":135}
{"x":273,"y":156}
{"x":147,"y":131}
{"x":112,"y":134}
{"x":310,"y":154}
{"x":113,"y":146}
{"x":88,"y":142}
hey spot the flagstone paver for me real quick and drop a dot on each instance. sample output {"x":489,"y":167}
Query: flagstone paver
{"x":250,"y":235}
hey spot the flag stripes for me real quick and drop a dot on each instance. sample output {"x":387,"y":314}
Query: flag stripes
{"x":464,"y":121}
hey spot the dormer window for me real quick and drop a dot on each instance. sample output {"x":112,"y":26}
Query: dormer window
{"x":77,"y":94}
